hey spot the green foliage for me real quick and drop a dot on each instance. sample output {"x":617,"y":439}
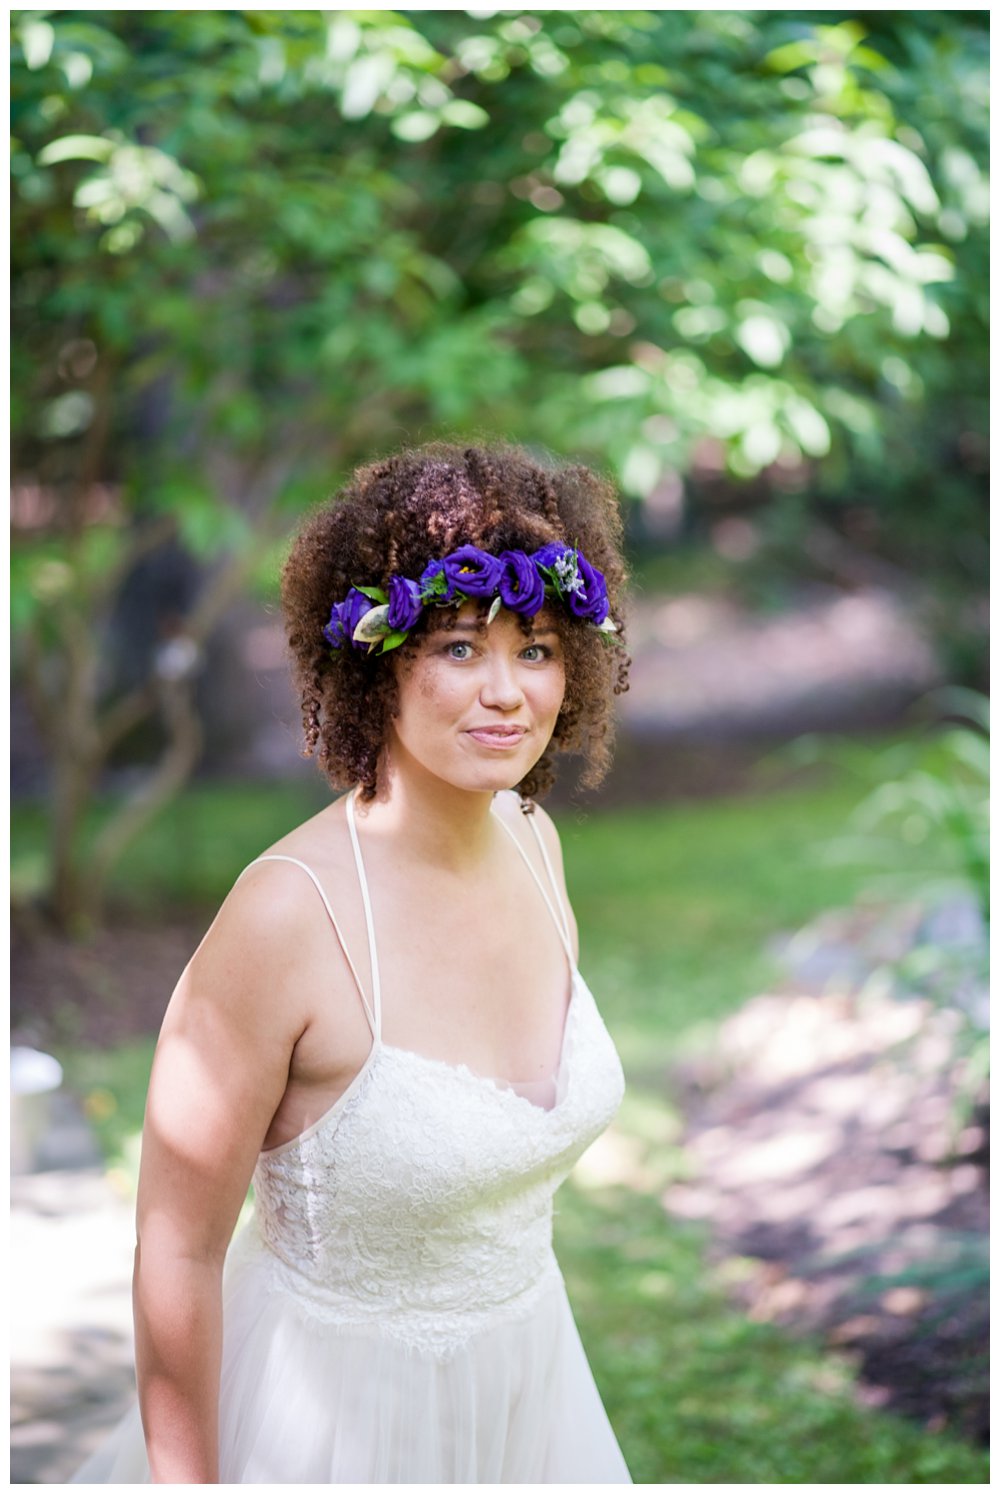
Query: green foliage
{"x":757,"y":228}
{"x":921,"y":826}
{"x":943,"y":802}
{"x":189,"y":859}
{"x":722,"y":876}
{"x":253,"y":247}
{"x":922,"y":832}
{"x":111,"y":1084}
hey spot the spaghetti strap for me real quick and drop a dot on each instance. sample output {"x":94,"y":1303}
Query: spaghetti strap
{"x":369,"y":922}
{"x":555,"y":908}
{"x":373,"y":1021}
{"x":551,"y":871}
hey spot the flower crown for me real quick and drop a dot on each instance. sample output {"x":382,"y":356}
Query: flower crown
{"x":375,"y":620}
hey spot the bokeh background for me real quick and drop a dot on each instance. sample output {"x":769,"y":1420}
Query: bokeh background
{"x":738,"y":261}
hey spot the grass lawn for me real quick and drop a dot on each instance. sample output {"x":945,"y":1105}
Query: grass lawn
{"x":676,"y":906}
{"x":699,"y":1394}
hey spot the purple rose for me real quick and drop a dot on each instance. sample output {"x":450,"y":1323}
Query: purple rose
{"x":405,"y":605}
{"x":344,"y":618}
{"x":588,"y":595}
{"x":334,"y":630}
{"x":434,"y":583}
{"x":580,"y":586}
{"x":350,"y":612}
{"x":522,"y":589}
{"x":550,"y":553}
{"x":473,"y":572}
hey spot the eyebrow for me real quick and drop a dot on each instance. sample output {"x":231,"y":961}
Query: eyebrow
{"x":461,"y":627}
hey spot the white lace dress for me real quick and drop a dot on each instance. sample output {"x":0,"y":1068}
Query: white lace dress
{"x":394,"y":1312}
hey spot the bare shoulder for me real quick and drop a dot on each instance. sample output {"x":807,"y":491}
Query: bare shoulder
{"x":237,"y":967}
{"x":271,"y":932}
{"x":265,"y":908}
{"x":272,"y":898}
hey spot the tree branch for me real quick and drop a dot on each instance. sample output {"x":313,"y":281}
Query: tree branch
{"x":142,"y":542}
{"x":43,"y":706}
{"x":125,"y":714}
{"x":172,"y":771}
{"x":231,"y":575}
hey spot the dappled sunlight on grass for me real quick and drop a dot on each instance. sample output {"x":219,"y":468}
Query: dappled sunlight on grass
{"x":697,"y":1392}
{"x":111,"y":1084}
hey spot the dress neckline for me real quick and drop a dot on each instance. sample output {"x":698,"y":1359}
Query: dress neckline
{"x":494,"y":1084}
{"x":460,"y":1071}
{"x":506,"y":1086}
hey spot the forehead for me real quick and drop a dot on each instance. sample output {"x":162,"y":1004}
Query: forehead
{"x":470,"y":619}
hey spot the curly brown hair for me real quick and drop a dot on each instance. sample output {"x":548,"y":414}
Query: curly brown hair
{"x":395,"y":515}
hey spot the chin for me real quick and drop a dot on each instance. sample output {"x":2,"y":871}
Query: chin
{"x":491,"y":777}
{"x":498,"y":779}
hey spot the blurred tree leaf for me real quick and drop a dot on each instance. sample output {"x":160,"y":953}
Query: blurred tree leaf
{"x":290,"y":239}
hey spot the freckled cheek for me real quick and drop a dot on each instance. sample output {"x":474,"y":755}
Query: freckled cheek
{"x":438,"y":695}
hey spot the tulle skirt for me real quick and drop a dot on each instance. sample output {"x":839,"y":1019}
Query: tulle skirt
{"x":305,"y":1402}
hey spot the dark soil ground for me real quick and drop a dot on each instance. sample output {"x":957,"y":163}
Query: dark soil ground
{"x":840,"y":1157}
{"x":844,"y":1205}
{"x":114,"y":987}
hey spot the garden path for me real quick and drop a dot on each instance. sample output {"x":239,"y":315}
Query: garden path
{"x":71,"y":1323}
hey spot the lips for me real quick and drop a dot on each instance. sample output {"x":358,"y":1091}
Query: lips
{"x":497,"y":736}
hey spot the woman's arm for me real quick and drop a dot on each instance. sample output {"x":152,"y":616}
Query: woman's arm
{"x":220,"y":1070}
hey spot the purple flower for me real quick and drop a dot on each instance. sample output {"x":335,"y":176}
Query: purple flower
{"x":434,"y":583}
{"x":519,"y":581}
{"x":344,"y":618}
{"x":522,"y":589}
{"x":352,"y":610}
{"x":334,"y":630}
{"x":405,"y":605}
{"x":550,"y":553}
{"x":588,"y":596}
{"x":577,"y":582}
{"x":472,"y":572}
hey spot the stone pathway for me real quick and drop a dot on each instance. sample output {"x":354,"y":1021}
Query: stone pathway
{"x":71,"y":1241}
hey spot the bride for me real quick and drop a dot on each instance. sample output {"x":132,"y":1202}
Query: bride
{"x":385,"y":1029}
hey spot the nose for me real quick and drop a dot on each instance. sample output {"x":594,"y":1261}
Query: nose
{"x":500,"y":687}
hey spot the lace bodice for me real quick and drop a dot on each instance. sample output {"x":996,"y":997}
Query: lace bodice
{"x":420,"y":1205}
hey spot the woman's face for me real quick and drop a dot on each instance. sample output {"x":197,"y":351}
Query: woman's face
{"x":478,"y":703}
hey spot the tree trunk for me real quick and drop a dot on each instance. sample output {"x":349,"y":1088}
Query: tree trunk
{"x":61,"y":678}
{"x":171,"y":773}
{"x":73,"y":785}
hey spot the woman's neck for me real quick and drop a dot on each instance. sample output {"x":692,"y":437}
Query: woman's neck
{"x":431,"y":821}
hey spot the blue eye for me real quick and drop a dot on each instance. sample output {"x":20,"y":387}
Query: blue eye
{"x":532,"y":653}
